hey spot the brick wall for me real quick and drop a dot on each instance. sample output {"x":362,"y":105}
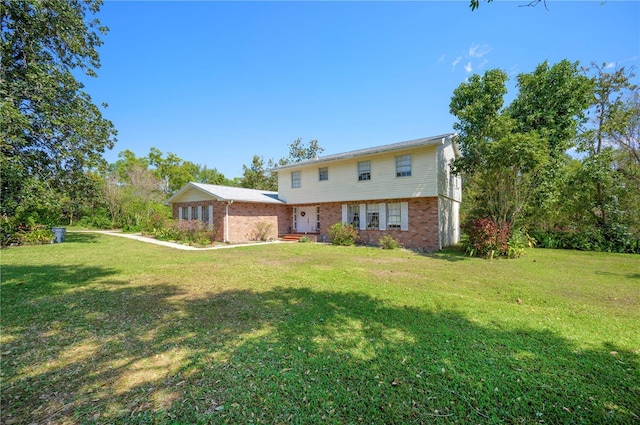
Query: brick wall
{"x":244,"y":218}
{"x":423,"y":223}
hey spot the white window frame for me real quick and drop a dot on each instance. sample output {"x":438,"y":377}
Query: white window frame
{"x":296,"y":179}
{"x":364,"y":171}
{"x":403,"y":165}
{"x":394,"y":216}
{"x":353,"y":215}
{"x":373,"y":217}
{"x":323,"y":174}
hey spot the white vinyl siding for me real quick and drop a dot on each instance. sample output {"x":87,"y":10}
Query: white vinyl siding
{"x":343,"y":186}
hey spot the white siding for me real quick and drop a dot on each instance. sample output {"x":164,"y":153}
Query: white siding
{"x":193,"y":195}
{"x":343,"y":184}
{"x":449,"y":185}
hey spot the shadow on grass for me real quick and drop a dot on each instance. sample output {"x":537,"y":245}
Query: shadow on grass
{"x":452,"y":254}
{"x":81,"y":237}
{"x":157,"y":353}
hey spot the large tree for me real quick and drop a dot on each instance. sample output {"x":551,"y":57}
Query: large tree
{"x":51,"y":132}
{"x":512,"y":153}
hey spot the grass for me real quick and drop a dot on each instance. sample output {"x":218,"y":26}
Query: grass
{"x":101,"y":329}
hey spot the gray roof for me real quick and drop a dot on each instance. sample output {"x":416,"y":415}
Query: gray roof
{"x":228,"y":193}
{"x":427,"y":141}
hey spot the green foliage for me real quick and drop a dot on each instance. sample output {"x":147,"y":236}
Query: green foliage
{"x":100,"y":219}
{"x":343,"y":234}
{"x":190,"y":232}
{"x":35,"y":235}
{"x":51,"y":132}
{"x":610,"y":238}
{"x":388,"y":242}
{"x":262,"y":231}
{"x":8,"y":231}
{"x":305,"y":239}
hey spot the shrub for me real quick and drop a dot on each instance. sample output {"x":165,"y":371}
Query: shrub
{"x":192,"y":232}
{"x":304,"y":239}
{"x":8,"y":231}
{"x":99,"y":220}
{"x":518,"y":242}
{"x":486,"y":238}
{"x":36,"y":235}
{"x":388,"y":242}
{"x":609,"y":238}
{"x":343,"y":234}
{"x":262,"y":231}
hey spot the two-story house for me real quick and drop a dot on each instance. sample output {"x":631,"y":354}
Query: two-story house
{"x":404,"y":189}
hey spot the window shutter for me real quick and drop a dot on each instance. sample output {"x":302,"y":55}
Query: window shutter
{"x":210,"y":217}
{"x":363,"y":216}
{"x":180,"y":213}
{"x":383,"y":216}
{"x":404,"y":216}
{"x":345,"y":214}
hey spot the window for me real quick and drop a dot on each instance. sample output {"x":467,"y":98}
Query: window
{"x":295,"y":179}
{"x":373,"y":216}
{"x":318,"y":219}
{"x":205,"y":214}
{"x":364,"y":170}
{"x":323,"y":174}
{"x":403,"y":165}
{"x":353,"y":216}
{"x":393,"y":216}
{"x":295,"y":218}
{"x":194,"y":213}
{"x":185,"y":213}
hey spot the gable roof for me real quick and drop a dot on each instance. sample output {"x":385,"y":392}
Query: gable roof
{"x":228,"y":193}
{"x":427,"y":141}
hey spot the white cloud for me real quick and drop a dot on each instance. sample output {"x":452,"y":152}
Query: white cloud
{"x":478,"y":51}
{"x":468,"y":67}
{"x":610,"y":65}
{"x":441,"y":58}
{"x":457,"y":61}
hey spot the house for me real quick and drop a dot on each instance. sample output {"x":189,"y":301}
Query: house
{"x":404,"y":189}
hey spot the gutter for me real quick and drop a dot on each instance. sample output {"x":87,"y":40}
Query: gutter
{"x":226,"y":221}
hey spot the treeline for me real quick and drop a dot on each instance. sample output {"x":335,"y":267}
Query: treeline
{"x":558,"y":167}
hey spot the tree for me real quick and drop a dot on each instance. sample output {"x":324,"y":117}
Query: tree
{"x":259,"y":176}
{"x":610,"y":144}
{"x":508,"y":153}
{"x":474,"y":4}
{"x":51,"y":132}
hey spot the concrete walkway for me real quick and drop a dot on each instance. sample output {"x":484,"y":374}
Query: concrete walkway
{"x":138,"y":237}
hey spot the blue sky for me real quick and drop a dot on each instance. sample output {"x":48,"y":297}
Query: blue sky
{"x":218,"y":82}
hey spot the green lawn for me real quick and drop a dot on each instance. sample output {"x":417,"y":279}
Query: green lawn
{"x":102,"y":329}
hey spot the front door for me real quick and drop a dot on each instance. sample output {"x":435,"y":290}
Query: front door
{"x":306,"y":220}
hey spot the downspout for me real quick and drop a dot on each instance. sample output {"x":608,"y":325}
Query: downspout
{"x":226,"y":221}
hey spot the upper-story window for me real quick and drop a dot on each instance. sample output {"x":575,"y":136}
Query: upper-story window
{"x":295,"y":179}
{"x":364,"y":170}
{"x":403,"y":165}
{"x":323,"y":173}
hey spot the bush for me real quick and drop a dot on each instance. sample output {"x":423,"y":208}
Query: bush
{"x":609,"y":238}
{"x":486,"y":238}
{"x":343,"y":234}
{"x":36,"y":235}
{"x":8,"y":231}
{"x":388,"y":242}
{"x":99,"y":220}
{"x":304,"y":239}
{"x":192,"y":232}
{"x":518,"y":242}
{"x":262,"y":231}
